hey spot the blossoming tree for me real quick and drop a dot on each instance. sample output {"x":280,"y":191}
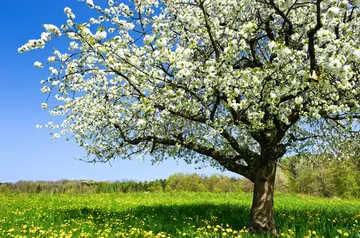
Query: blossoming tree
{"x":236,"y":84}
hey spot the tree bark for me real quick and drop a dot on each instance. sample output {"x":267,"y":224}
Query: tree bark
{"x":262,"y":210}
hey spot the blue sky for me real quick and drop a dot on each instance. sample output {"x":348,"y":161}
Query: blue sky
{"x":27,"y":153}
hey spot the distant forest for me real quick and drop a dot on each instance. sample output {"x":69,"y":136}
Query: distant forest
{"x":317,"y":176}
{"x":175,"y":183}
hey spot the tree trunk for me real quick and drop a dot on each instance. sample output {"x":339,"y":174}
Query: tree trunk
{"x":262,"y":210}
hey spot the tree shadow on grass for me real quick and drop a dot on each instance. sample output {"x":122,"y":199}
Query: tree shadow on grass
{"x":163,"y":218}
{"x":188,"y":217}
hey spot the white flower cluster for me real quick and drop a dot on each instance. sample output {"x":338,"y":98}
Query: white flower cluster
{"x":190,"y":70}
{"x":31,"y":45}
{"x":52,"y":29}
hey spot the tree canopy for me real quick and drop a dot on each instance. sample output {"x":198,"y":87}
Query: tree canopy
{"x":202,"y":79}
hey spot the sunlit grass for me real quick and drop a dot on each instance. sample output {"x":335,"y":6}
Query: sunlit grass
{"x":170,"y":215}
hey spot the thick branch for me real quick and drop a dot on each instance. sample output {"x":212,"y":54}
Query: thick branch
{"x":292,"y":96}
{"x":311,"y":35}
{"x":252,"y":44}
{"x":247,"y":63}
{"x":229,"y":164}
{"x":339,"y":117}
{"x":129,"y":81}
{"x":244,"y":152}
{"x":289,"y":30}
{"x":268,"y":29}
{"x":216,"y":104}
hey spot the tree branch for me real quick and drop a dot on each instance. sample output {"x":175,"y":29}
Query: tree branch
{"x":244,"y":152}
{"x":208,"y":28}
{"x":216,"y":104}
{"x":311,"y":35}
{"x":229,"y":164}
{"x":339,"y":117}
{"x":289,"y":30}
{"x":291,"y":96}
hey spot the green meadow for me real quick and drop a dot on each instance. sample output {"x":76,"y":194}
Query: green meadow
{"x":170,"y":215}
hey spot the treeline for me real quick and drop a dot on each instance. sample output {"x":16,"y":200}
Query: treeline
{"x":314,"y":175}
{"x":322,"y":176}
{"x":175,"y":183}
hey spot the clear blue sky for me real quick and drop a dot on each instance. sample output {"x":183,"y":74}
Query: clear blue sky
{"x":27,"y":153}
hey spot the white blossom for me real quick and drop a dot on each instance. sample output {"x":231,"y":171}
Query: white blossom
{"x":52,"y":29}
{"x":67,"y":10}
{"x":100,"y":35}
{"x":51,"y":59}
{"x":45,"y":89}
{"x":38,"y":64}
{"x":299,"y":100}
{"x":161,"y":43}
{"x":70,"y":23}
{"x":356,"y":54}
{"x":148,"y":39}
{"x":44,"y":105}
{"x":90,"y":3}
{"x":334,"y":11}
{"x":53,"y":71}
{"x":335,"y":64}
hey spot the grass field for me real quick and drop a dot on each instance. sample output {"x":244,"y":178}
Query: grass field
{"x":170,"y":215}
